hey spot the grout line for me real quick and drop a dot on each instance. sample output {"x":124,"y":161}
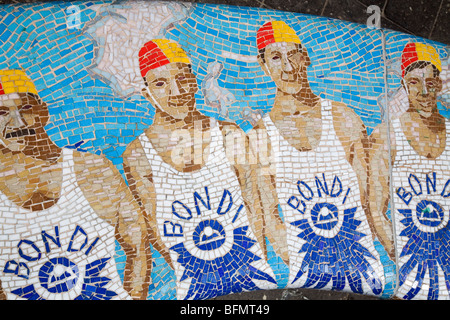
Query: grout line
{"x":435,"y":20}
{"x":323,"y":9}
{"x":399,"y":26}
{"x":384,"y":8}
{"x":264,"y":5}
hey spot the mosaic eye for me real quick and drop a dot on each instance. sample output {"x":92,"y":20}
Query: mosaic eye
{"x":160,"y":83}
{"x":3,"y":112}
{"x":26,"y":107}
{"x":292,"y":53}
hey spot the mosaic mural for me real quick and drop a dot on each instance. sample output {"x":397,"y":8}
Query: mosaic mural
{"x":164,"y":150}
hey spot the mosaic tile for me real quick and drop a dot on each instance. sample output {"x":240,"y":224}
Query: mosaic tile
{"x":171,"y":151}
{"x":418,"y":130}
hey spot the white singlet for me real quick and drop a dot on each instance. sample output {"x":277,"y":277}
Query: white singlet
{"x":201,"y":211}
{"x":421,"y":190}
{"x":61,"y":253}
{"x":320,"y":188}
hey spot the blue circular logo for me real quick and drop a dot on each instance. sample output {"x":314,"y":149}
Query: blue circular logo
{"x":324,"y":215}
{"x":209,"y":235}
{"x":429,"y":213}
{"x":58,"y":275}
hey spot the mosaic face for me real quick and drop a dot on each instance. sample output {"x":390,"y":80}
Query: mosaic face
{"x":286,"y":64}
{"x":22,"y":117}
{"x":172,"y":88}
{"x":156,"y":150}
{"x":423,"y":87}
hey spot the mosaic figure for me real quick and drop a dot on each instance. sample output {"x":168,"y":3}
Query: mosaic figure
{"x":199,"y":205}
{"x":419,"y":155}
{"x":319,"y":171}
{"x":61,"y":211}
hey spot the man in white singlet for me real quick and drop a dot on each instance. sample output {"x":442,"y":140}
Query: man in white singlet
{"x":62,"y":211}
{"x":419,"y":152}
{"x":318,"y":168}
{"x":202,"y":211}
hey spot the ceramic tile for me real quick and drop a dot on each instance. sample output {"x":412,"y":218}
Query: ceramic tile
{"x":169,"y":150}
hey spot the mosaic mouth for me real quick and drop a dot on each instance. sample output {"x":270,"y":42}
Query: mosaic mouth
{"x":20,"y":133}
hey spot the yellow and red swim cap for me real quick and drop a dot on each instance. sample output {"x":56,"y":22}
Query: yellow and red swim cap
{"x":419,"y":52}
{"x":15,"y":81}
{"x":159,"y":52}
{"x":275,"y":31}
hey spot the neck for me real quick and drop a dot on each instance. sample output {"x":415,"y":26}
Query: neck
{"x":161,"y":134}
{"x":302,"y":102}
{"x":433,"y":120}
{"x":42,"y":149}
{"x":192,"y":120}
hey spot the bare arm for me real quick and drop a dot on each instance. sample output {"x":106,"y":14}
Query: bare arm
{"x":140,"y":181}
{"x":359,"y":150}
{"x":353,"y":137}
{"x":379,"y":193}
{"x":109,"y":196}
{"x":258,"y":189}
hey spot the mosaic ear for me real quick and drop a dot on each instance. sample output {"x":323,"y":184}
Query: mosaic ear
{"x":439,"y":84}
{"x":306,"y":56}
{"x":262,"y":63}
{"x":146,"y":93}
{"x":44,"y":114}
{"x":45,"y":107}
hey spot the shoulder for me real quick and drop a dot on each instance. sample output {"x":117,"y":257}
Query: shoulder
{"x":86,"y":161}
{"x":134,"y":148}
{"x":260,"y":124}
{"x":96,"y":172}
{"x":382,"y":139}
{"x":227,"y":125}
{"x":230,"y":128}
{"x":342,"y":112}
{"x":347,"y":124}
{"x":379,"y":132}
{"x":234,"y":139}
{"x":135,"y":159}
{"x":223,"y":125}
